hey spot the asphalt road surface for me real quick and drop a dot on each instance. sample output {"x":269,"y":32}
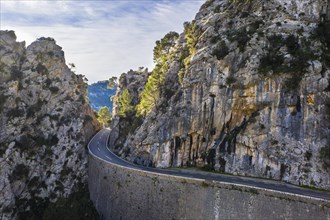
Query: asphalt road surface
{"x":98,"y":147}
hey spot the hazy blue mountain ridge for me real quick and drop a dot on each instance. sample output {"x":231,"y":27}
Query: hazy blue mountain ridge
{"x":99,"y":95}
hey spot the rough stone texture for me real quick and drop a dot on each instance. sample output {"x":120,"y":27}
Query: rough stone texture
{"x":134,"y":82}
{"x":44,"y":126}
{"x":121,"y":193}
{"x":231,"y":115}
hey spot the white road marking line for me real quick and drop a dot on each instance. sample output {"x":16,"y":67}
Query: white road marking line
{"x":192,"y":176}
{"x":108,"y":157}
{"x":99,"y":149}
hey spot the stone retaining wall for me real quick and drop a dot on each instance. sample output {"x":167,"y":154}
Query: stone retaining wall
{"x":123,"y":193}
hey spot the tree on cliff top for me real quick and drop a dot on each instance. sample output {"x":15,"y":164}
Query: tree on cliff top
{"x":152,"y":89}
{"x":163,"y":46}
{"x":113,"y":82}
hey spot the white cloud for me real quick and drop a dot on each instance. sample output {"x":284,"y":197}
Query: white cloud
{"x":102,"y":38}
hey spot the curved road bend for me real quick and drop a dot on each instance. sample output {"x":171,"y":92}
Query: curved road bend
{"x":98,"y":147}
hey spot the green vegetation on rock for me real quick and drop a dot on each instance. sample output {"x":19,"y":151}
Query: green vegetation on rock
{"x":221,"y":50}
{"x":295,"y":66}
{"x":125,"y":103}
{"x":104,"y":116}
{"x":77,"y":206}
{"x":152,"y":90}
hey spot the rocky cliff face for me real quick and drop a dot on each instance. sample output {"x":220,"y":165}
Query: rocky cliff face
{"x":123,"y":127}
{"x":45,"y":124}
{"x":254,"y":97}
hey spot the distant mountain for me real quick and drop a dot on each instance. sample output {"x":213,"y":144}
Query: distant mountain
{"x":99,"y":95}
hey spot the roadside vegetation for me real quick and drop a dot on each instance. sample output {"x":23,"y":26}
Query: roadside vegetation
{"x":104,"y":116}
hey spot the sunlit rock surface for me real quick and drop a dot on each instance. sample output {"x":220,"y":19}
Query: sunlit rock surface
{"x":45,"y":124}
{"x":254,"y":100}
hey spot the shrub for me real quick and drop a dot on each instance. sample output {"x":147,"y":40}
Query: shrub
{"x":275,"y":41}
{"x":322,"y":32}
{"x":19,"y":86}
{"x":68,"y":153}
{"x":274,"y":59}
{"x":88,"y":118}
{"x":3,"y":99}
{"x":184,"y":59}
{"x":215,"y":39}
{"x":254,"y":26}
{"x":274,"y":142}
{"x":181,"y":74}
{"x":217,"y":9}
{"x":244,"y":14}
{"x":15,"y":73}
{"x":20,"y":172}
{"x":81,"y":99}
{"x":77,"y":206}
{"x":24,"y":143}
{"x":292,"y":43}
{"x":129,"y":125}
{"x":50,"y":53}
{"x":41,"y":69}
{"x":14,"y":113}
{"x":230,"y":80}
{"x":32,"y":110}
{"x":54,"y":117}
{"x":241,"y":36}
{"x":3,"y":149}
{"x":271,"y":61}
{"x":50,"y":141}
{"x":47,"y":83}
{"x":221,"y":50}
{"x":300,"y":59}
{"x":192,"y":33}
{"x":54,"y":89}
{"x":308,"y":155}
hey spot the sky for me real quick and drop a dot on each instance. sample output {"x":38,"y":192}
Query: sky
{"x":103,"y":38}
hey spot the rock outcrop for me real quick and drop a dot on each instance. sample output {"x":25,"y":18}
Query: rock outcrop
{"x":132,"y":82}
{"x":254,"y":97}
{"x":45,"y":123}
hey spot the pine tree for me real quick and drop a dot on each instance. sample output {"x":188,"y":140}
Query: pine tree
{"x":104,"y":116}
{"x":152,"y":89}
{"x":125,"y":103}
{"x":163,"y":46}
{"x":112,"y":83}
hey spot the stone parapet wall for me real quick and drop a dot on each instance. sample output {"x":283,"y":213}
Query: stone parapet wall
{"x":124,"y":193}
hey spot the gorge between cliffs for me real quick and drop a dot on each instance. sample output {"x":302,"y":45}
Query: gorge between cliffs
{"x":242,"y":91}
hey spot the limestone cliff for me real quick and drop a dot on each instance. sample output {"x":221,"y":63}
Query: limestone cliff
{"x":45,"y":124}
{"x":252,"y":98}
{"x":122,"y":126}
